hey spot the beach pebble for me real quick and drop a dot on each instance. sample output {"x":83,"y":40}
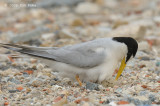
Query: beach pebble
{"x":158,"y":63}
{"x":48,"y":36}
{"x":14,"y":80}
{"x":32,"y":60}
{"x":13,"y":91}
{"x":87,"y":8}
{"x":92,"y":86}
{"x":145,"y":58}
{"x":35,"y":93}
{"x":4,"y":58}
{"x":66,"y":33}
{"x":144,"y":46}
{"x":40,"y":67}
{"x":36,"y":83}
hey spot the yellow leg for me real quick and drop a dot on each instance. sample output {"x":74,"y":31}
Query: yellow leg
{"x":78,"y":80}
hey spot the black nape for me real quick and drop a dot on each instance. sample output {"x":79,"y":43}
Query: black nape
{"x":131,"y":43}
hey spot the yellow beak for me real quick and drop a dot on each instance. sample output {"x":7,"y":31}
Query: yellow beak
{"x":123,"y":65}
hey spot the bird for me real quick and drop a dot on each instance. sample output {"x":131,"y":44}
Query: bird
{"x":93,"y":60}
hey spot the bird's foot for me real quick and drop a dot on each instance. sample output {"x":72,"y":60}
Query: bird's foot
{"x":78,"y":80}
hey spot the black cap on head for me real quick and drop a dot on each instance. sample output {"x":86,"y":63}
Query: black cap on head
{"x":131,"y":43}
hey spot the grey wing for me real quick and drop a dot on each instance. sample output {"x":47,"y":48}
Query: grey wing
{"x":80,"y":57}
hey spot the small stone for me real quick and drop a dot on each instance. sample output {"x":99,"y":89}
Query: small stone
{"x":35,"y":93}
{"x":34,"y":66}
{"x":92,"y":86}
{"x":4,"y":58}
{"x":122,"y":103}
{"x":138,"y":88}
{"x":152,"y":98}
{"x":6,"y":103}
{"x":19,"y":88}
{"x":14,"y":80}
{"x":57,"y":99}
{"x":144,"y":86}
{"x":77,"y":101}
{"x":24,"y":37}
{"x":66,"y":33}
{"x":28,"y":90}
{"x":67,"y":81}
{"x":87,"y":8}
{"x":48,"y":36}
{"x":144,"y":46}
{"x":56,"y":87}
{"x":119,"y":23}
{"x":28,"y":72}
{"x":133,"y":77}
{"x":118,"y":90}
{"x":158,"y":63}
{"x":124,"y":82}
{"x":32,"y":60}
{"x":77,"y":22}
{"x":141,"y":66}
{"x":25,"y":75}
{"x":86,"y":104}
{"x":145,"y":58}
{"x":36,"y":83}
{"x":13,"y":91}
{"x":40,"y":67}
{"x":61,"y":102}
{"x":14,"y":64}
{"x":108,"y":83}
{"x":141,"y":98}
{"x":107,"y":89}
{"x":142,"y":93}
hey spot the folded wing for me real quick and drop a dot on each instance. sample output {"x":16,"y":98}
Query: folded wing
{"x":80,"y":57}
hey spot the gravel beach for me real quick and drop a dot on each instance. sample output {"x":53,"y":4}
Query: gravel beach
{"x":25,"y":81}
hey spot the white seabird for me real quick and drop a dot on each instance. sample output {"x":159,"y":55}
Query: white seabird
{"x":89,"y":61}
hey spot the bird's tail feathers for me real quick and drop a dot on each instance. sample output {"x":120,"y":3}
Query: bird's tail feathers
{"x":11,"y":47}
{"x":40,"y":52}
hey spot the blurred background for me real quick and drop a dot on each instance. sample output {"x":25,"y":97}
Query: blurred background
{"x":63,"y":22}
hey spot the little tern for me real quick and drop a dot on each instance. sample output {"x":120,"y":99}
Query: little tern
{"x":89,"y":61}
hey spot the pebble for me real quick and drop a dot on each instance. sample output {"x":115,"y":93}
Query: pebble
{"x":48,"y":36}
{"x":4,"y":58}
{"x":145,"y":58}
{"x":158,"y":64}
{"x":87,"y":8}
{"x":14,"y":81}
{"x":152,"y":97}
{"x":65,"y":33}
{"x":77,"y":22}
{"x":32,"y":60}
{"x":36,"y":83}
{"x":143,"y":46}
{"x":25,"y":74}
{"x":118,"y":90}
{"x":108,"y":83}
{"x":40,"y":67}
{"x":24,"y":37}
{"x":13,"y":91}
{"x":142,"y":93}
{"x":67,"y":81}
{"x":92,"y":86}
{"x":124,"y":82}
